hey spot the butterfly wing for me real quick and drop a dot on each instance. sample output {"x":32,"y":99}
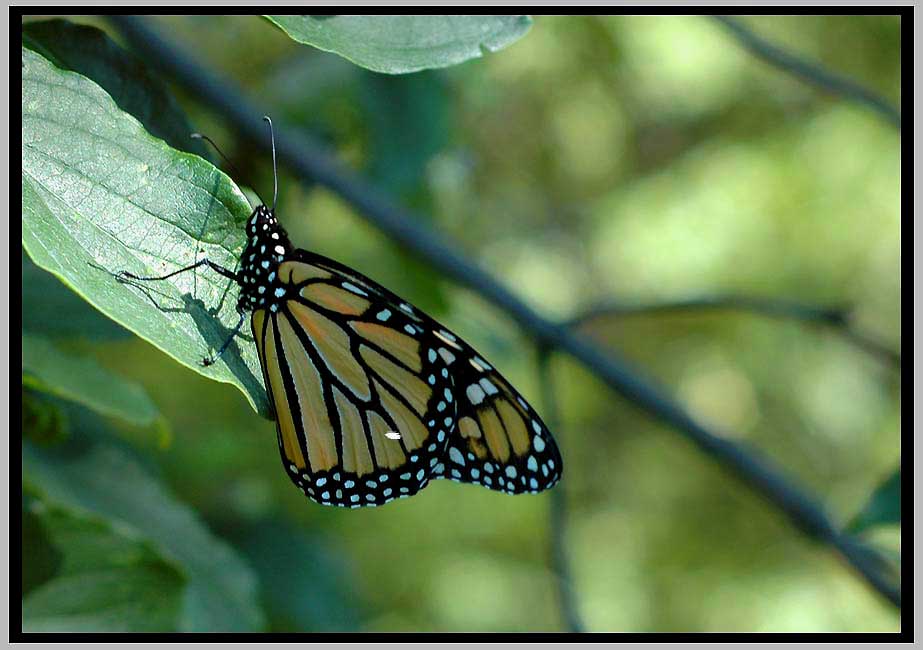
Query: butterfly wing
{"x":500,"y":442}
{"x":365,"y":406}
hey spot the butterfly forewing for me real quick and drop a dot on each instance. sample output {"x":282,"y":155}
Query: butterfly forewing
{"x":365,"y":404}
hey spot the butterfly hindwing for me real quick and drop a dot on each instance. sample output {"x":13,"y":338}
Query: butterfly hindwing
{"x":499,"y":441}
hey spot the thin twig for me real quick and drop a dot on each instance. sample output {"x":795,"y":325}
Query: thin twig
{"x":558,"y":511}
{"x":308,"y":161}
{"x":812,"y":73}
{"x":836,"y":318}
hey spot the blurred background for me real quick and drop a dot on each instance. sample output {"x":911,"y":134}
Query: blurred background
{"x":627,"y":159}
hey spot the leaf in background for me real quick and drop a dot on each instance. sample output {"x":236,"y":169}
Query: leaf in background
{"x":40,"y":559}
{"x":106,"y":197}
{"x":321,"y":595}
{"x":81,"y":379}
{"x":120,"y":73}
{"x":50,"y":308}
{"x":399,"y":44}
{"x":222,"y":590}
{"x":883,"y":507}
{"x":107,"y":579}
{"x":42,"y":420}
{"x":407,"y":120}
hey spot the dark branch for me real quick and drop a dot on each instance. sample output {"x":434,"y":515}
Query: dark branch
{"x":303,"y":157}
{"x":558,"y":512}
{"x":811,"y":72}
{"x":835,"y":317}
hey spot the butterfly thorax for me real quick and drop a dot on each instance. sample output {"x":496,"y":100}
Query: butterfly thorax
{"x":267,"y":247}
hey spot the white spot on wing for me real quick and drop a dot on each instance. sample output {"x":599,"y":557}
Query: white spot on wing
{"x":475,"y":394}
{"x":349,"y":286}
{"x":393,"y":435}
{"x":447,"y":338}
{"x":488,"y":386}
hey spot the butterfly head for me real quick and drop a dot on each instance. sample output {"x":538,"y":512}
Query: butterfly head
{"x":267,"y":247}
{"x":262,"y":220}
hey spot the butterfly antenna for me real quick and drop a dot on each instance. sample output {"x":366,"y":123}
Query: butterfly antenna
{"x":275,"y":173}
{"x":200,"y":136}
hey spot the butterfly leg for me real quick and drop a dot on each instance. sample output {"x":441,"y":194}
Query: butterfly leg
{"x":125,"y":275}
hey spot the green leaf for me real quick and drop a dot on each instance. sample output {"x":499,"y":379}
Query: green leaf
{"x":399,"y":44}
{"x":82,"y":380}
{"x":42,"y":420}
{"x":883,"y":507}
{"x":222,"y":589}
{"x":136,"y":90}
{"x":99,"y":195}
{"x":40,"y":559}
{"x":320,"y":596}
{"x":408,"y":123}
{"x":50,"y":308}
{"x":107,"y":579}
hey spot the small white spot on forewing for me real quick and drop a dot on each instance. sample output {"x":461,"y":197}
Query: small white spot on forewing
{"x":447,"y":338}
{"x":488,"y":386}
{"x":349,"y":286}
{"x":475,"y":394}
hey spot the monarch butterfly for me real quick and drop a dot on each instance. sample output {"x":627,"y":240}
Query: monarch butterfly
{"x":373,"y":398}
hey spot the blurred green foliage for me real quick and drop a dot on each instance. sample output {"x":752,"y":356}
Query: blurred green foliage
{"x":630,"y":158}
